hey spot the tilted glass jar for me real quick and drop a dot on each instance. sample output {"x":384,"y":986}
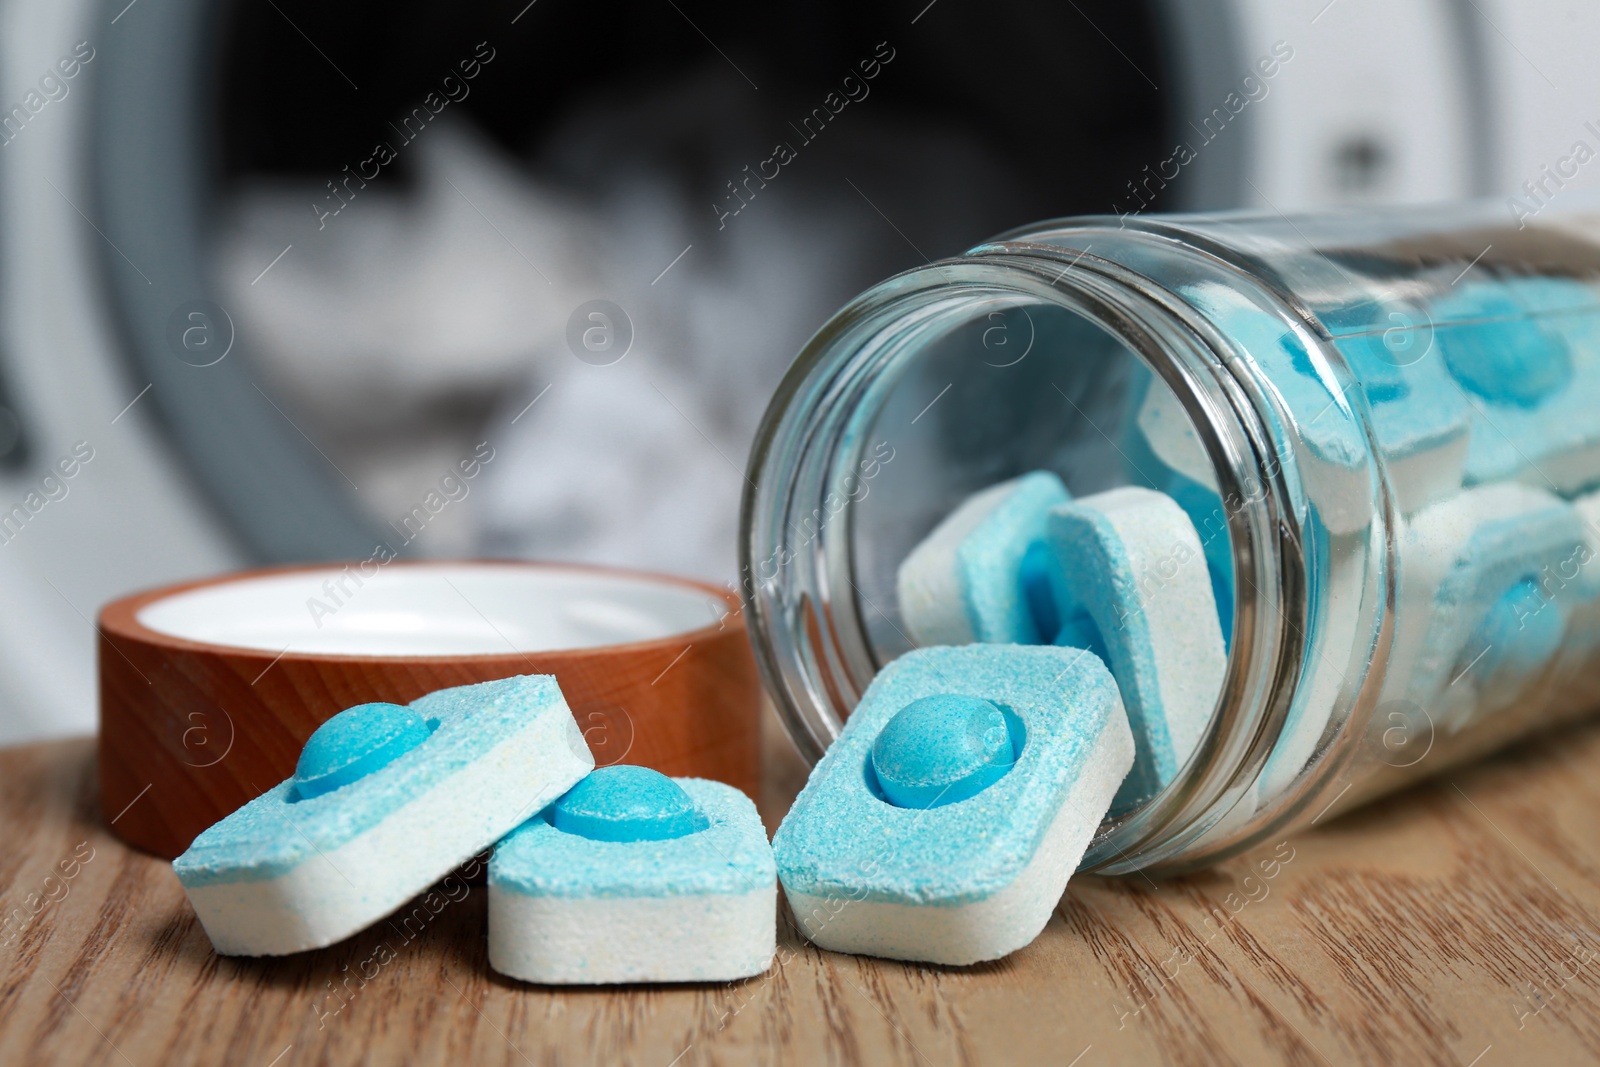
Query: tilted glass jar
{"x":1383,"y":425}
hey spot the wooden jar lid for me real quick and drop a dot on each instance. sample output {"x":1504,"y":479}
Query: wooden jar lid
{"x":209,"y":689}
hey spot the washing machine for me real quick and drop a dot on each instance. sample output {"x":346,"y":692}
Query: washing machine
{"x":269,"y":270}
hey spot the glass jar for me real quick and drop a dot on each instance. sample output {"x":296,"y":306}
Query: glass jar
{"x":1383,"y":426}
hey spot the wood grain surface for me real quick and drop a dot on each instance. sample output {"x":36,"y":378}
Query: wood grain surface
{"x":1456,"y":923}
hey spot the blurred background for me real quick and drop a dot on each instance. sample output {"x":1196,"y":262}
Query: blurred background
{"x":275,"y":275}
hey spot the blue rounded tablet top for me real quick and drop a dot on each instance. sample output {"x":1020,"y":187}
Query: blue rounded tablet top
{"x":354,"y":743}
{"x":1501,"y":352}
{"x":940,"y":749}
{"x":626,"y":803}
{"x":1520,"y":633}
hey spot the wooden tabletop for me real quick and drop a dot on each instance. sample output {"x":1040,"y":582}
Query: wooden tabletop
{"x":1457,"y":923}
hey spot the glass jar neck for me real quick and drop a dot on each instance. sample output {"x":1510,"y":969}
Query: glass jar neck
{"x":810,"y":619}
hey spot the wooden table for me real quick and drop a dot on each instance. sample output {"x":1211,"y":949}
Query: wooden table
{"x":1457,"y":923}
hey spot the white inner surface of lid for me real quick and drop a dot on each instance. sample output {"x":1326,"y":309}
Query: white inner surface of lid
{"x":433,"y":609}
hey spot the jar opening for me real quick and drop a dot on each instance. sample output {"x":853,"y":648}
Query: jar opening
{"x":944,"y":381}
